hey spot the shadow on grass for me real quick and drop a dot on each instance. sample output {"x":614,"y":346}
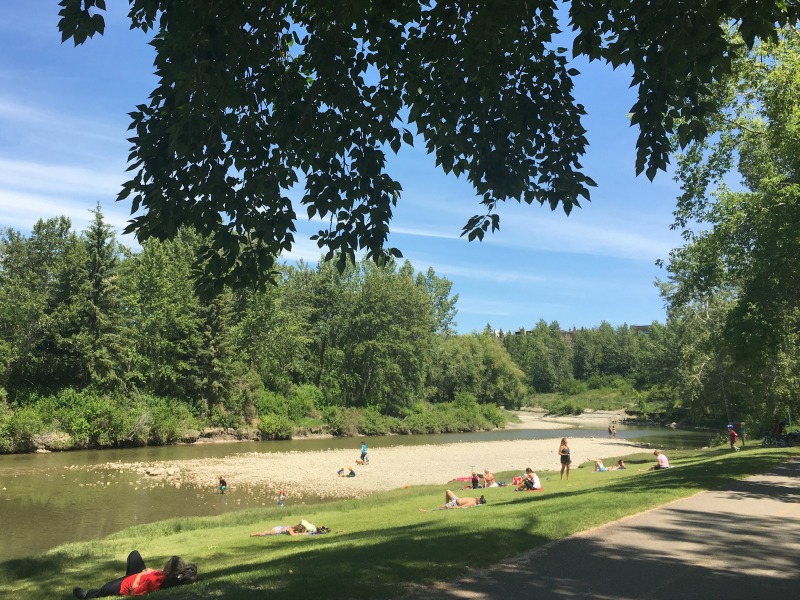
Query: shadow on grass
{"x":689,"y":550}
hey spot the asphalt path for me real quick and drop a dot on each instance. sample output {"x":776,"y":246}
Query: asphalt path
{"x":742,"y":541}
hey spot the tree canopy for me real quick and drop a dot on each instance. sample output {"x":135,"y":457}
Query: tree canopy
{"x":743,"y":255}
{"x":255,"y":98}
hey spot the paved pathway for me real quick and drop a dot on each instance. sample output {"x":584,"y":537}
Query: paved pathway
{"x":740,"y":542}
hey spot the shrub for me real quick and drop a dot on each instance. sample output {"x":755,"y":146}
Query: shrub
{"x":427,"y":422}
{"x":374,"y":423}
{"x":170,"y":418}
{"x":6,"y":444}
{"x":270,"y":403}
{"x":24,"y":425}
{"x":342,"y":421}
{"x":304,"y":402}
{"x":275,"y":427}
{"x":566,"y":407}
{"x":570,"y":387}
{"x":222,"y":418}
{"x":495,"y":416}
{"x":465,"y":401}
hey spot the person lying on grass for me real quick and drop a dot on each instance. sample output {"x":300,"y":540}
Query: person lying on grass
{"x":139,"y":580}
{"x":302,"y":528}
{"x":599,"y":467}
{"x":453,"y":501}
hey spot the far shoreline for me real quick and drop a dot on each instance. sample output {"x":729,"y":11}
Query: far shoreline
{"x":313,"y":474}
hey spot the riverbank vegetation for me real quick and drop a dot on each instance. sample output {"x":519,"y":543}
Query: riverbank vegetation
{"x":105,"y":347}
{"x":381,"y":545}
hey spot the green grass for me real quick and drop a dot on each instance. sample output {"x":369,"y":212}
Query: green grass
{"x":381,"y":544}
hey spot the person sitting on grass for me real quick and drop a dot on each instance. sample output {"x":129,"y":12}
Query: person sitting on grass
{"x":139,"y":580}
{"x":663,"y":461}
{"x":530,"y":483}
{"x":489,"y":480}
{"x":453,"y":501}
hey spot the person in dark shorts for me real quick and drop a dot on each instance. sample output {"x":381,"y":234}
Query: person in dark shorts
{"x":566,"y":461}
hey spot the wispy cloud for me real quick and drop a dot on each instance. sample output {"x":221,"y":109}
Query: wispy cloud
{"x":49,"y":178}
{"x":600,"y":237}
{"x":482,"y":274}
{"x":21,"y":114}
{"x":428,"y":233}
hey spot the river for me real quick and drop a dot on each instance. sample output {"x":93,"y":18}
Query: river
{"x":51,"y":499}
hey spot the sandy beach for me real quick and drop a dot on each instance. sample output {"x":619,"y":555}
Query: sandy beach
{"x":314,"y":473}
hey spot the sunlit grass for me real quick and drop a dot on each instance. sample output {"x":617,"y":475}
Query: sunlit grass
{"x":380,"y":544}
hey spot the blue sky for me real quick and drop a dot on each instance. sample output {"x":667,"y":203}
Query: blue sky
{"x":63,"y":148}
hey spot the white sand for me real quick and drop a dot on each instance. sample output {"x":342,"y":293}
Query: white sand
{"x":314,"y":473}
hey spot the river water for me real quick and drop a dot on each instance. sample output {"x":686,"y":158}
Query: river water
{"x":50,"y":499}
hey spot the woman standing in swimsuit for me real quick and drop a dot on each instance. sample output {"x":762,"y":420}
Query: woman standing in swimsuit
{"x":563,"y":452}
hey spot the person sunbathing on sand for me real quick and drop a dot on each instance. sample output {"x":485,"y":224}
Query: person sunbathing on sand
{"x":453,"y":501}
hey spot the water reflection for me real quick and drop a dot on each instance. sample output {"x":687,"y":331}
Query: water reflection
{"x":56,"y":494}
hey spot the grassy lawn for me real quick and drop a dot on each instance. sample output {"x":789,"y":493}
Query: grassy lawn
{"x":380,"y":544}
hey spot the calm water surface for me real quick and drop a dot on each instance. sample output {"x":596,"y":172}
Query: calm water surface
{"x":49,"y":499}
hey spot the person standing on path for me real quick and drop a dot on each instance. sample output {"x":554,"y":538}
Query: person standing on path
{"x":363,"y":451}
{"x":733,"y":435}
{"x":566,"y":461}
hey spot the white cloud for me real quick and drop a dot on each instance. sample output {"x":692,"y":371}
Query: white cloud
{"x":303,"y":249}
{"x":58,"y":179}
{"x":603,"y":237}
{"x":427,"y":233}
{"x":488,"y":275}
{"x":21,"y":115}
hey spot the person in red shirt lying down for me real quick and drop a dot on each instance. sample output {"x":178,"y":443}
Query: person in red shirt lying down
{"x":139,"y":580}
